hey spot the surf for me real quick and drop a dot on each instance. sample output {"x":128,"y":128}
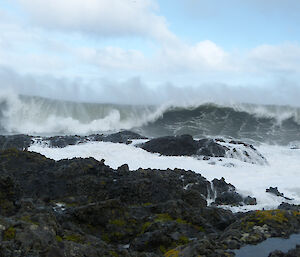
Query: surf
{"x":272,"y":124}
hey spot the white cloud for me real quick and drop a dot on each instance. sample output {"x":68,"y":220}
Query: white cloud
{"x":101,"y":17}
{"x":205,"y":55}
{"x":276,"y":58}
{"x":43,"y":51}
{"x":113,"y":58}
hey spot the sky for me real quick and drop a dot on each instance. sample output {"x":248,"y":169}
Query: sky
{"x":81,"y":48}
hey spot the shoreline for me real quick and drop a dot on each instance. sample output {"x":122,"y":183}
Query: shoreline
{"x":84,"y":205}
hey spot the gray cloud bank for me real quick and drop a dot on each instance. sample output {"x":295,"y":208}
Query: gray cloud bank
{"x":136,"y":91}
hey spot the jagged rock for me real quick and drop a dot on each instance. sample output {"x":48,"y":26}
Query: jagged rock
{"x":172,"y":146}
{"x":10,"y":193}
{"x":122,"y":137}
{"x":289,"y":207}
{"x":274,"y":191}
{"x":226,"y":194}
{"x":19,"y":142}
{"x":209,"y":147}
{"x":291,"y":253}
{"x":184,"y":145}
{"x":63,"y":141}
{"x":82,"y":207}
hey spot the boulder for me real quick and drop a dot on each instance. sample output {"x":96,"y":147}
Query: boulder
{"x":123,"y":137}
{"x":225,"y":194}
{"x":208,"y":147}
{"x":172,"y":145}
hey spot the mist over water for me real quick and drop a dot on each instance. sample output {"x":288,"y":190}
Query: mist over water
{"x":249,"y":122}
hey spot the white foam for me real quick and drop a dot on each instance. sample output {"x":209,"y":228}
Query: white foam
{"x":34,"y":115}
{"x":283,"y":170}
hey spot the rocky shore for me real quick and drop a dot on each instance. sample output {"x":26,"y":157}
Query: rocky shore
{"x":82,"y":207}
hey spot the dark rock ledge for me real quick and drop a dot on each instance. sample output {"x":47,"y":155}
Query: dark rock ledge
{"x":183,"y":145}
{"x":82,"y":207}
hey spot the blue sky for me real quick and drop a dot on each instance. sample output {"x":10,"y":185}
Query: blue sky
{"x":234,"y":24}
{"x":191,"y":43}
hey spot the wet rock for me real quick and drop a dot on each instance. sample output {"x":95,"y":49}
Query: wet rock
{"x":10,"y":193}
{"x":184,"y":145}
{"x":250,"y":200}
{"x":208,"y":147}
{"x":289,"y":207}
{"x":63,"y":141}
{"x":229,"y":198}
{"x":172,"y":146}
{"x":291,"y":253}
{"x":19,"y":142}
{"x":82,"y":207}
{"x":225,"y":194}
{"x":123,"y":137}
{"x":274,"y":191}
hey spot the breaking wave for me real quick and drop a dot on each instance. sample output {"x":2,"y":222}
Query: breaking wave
{"x":261,"y":123}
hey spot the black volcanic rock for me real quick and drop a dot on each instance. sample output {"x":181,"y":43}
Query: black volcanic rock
{"x":172,"y":146}
{"x":184,"y":145}
{"x":225,"y":194}
{"x":291,"y":253}
{"x":82,"y":207}
{"x":209,"y":147}
{"x":122,"y":137}
{"x":289,"y":207}
{"x":19,"y":142}
{"x":10,"y":193}
{"x":63,"y":141}
{"x":119,"y":137}
{"x":274,"y":191}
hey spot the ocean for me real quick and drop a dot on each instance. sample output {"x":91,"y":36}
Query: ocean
{"x":274,"y":131}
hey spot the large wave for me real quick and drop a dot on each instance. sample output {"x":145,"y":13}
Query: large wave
{"x":36,"y":115}
{"x":261,"y":123}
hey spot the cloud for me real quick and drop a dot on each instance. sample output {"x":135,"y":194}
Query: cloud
{"x":104,"y":18}
{"x":135,"y":90}
{"x":43,"y":51}
{"x":110,"y":57}
{"x":203,"y":56}
{"x":276,"y":58}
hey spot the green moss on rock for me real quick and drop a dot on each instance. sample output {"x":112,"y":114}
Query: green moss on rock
{"x":9,"y":234}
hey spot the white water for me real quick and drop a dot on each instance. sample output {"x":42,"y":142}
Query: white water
{"x":34,"y":115}
{"x":283,"y":169}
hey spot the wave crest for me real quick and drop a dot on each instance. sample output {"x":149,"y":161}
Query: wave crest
{"x":262,"y":123}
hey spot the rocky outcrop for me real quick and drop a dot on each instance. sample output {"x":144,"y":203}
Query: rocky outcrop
{"x":292,"y":253}
{"x":82,"y":207}
{"x":289,"y":207}
{"x":19,"y":142}
{"x":124,"y":137}
{"x":208,"y":147}
{"x":226,"y":194}
{"x":274,"y":191}
{"x":185,"y":145}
